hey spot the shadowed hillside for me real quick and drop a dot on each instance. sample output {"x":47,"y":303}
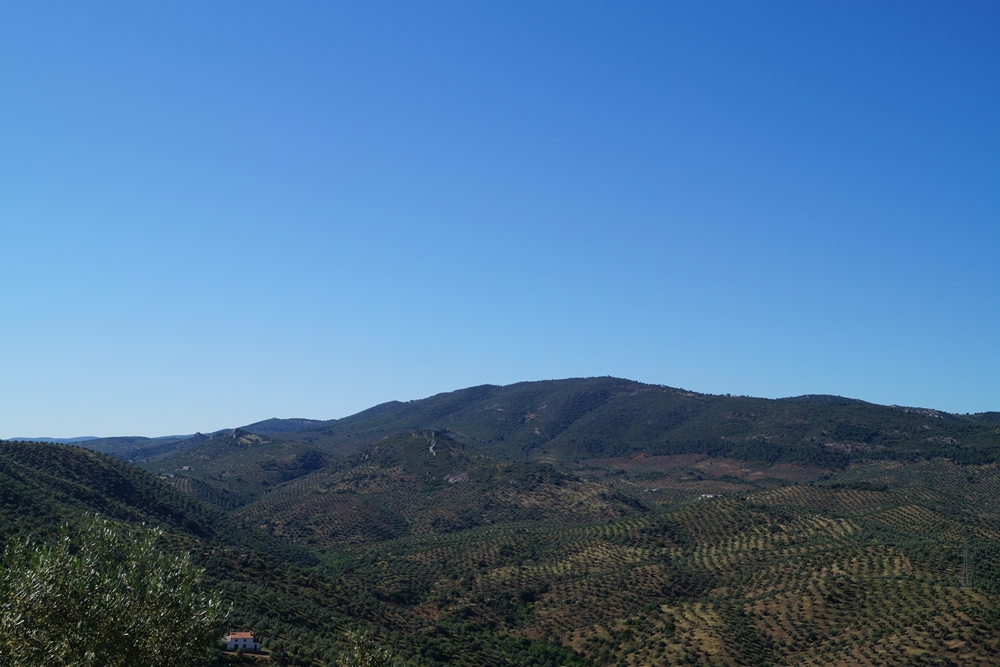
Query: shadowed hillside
{"x":426,"y":483}
{"x":235,"y":467}
{"x":43,"y":485}
{"x":137,"y":449}
{"x":275,"y":426}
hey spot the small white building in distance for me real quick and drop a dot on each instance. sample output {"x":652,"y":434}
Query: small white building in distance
{"x":242,"y":640}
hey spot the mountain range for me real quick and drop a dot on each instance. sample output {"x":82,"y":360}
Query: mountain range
{"x":568,"y":421}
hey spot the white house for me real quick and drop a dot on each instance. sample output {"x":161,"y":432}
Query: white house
{"x":242,"y":640}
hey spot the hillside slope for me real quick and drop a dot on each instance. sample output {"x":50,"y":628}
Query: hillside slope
{"x":866,"y":569}
{"x":233,"y":468}
{"x":590,"y":426}
{"x":426,"y":483}
{"x":273,"y":585}
{"x":569,"y":421}
{"x":137,"y":449}
{"x":43,"y":485}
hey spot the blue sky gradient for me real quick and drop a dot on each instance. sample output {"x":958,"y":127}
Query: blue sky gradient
{"x":214,"y":213}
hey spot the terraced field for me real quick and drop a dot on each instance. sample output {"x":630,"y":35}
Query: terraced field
{"x":820,"y":574}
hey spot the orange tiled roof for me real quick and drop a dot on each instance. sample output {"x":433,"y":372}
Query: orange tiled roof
{"x":241,"y":635}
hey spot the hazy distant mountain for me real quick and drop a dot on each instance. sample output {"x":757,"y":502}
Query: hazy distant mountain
{"x":137,"y":448}
{"x":274,"y":425}
{"x":61,"y":441}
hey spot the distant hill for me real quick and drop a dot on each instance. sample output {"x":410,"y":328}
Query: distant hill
{"x":570,"y":421}
{"x":274,"y":425}
{"x":426,"y":483}
{"x":574,"y":424}
{"x":138,"y":449}
{"x":59,"y":441}
{"x":233,"y":468}
{"x":824,"y":398}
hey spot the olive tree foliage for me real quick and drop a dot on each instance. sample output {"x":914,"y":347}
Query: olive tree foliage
{"x":362,"y":651}
{"x":103,"y":596}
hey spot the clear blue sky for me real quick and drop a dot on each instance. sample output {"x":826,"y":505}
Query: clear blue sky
{"x":214,"y":213}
